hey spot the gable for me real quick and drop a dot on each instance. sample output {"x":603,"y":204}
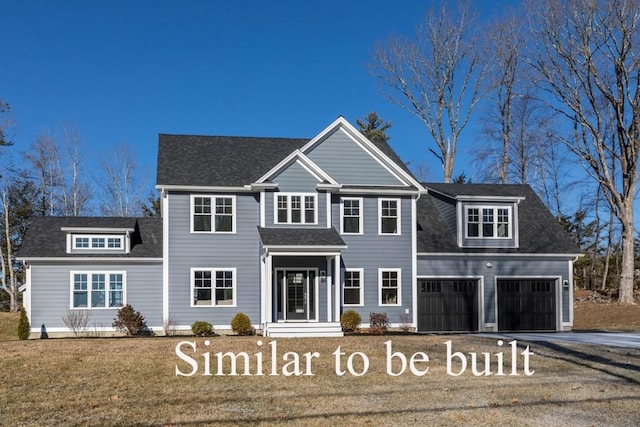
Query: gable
{"x":349,"y":163}
{"x":296,"y":177}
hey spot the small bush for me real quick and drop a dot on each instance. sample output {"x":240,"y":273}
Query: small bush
{"x":378,"y":323}
{"x":77,"y":321}
{"x":130,"y":321}
{"x":202,"y":329}
{"x":24,"y":328}
{"x":350,"y":320}
{"x":241,"y":324}
{"x":405,"y":322}
{"x":169,"y":326}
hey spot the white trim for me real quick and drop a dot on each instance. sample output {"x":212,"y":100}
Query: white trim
{"x":207,"y":189}
{"x":337,"y":280}
{"x":26,"y":295}
{"x":306,"y":250}
{"x":398,"y":217}
{"x":570,"y":278}
{"x":361,"y":286}
{"x":360,"y":201}
{"x":263,"y":209}
{"x":494,"y":208}
{"x":379,"y":191}
{"x":97,"y":260}
{"x":475,"y":198}
{"x":303,"y":197}
{"x":328,"y":207}
{"x":414,"y":262}
{"x":399,"y":287}
{"x":213,"y":200}
{"x":213,"y":271}
{"x":165,"y":258}
{"x":300,"y":158}
{"x":316,"y":291}
{"x":90,"y":240}
{"x":328,"y":282}
{"x":497,"y":254}
{"x":107,"y":282}
{"x":99,"y":230}
{"x":480,"y":301}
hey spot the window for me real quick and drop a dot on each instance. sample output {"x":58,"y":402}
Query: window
{"x":352,"y":289}
{"x":351,"y":216}
{"x":389,"y":216}
{"x":97,"y":289}
{"x":295,"y":209}
{"x":213,"y":287}
{"x":389,"y":284}
{"x":98,"y":242}
{"x":489,"y":222}
{"x":213,"y":214}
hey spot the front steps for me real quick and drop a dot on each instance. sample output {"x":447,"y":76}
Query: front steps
{"x":303,"y":329}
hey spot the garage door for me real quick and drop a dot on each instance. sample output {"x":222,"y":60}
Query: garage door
{"x":447,"y":305}
{"x":526,"y":305}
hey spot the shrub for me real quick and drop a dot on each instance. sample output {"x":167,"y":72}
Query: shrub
{"x":405,"y":322}
{"x":24,"y":328}
{"x":202,"y":328}
{"x":350,"y":320}
{"x":129,"y":321}
{"x":378,"y":323}
{"x":241,"y":324}
{"x":77,"y":321}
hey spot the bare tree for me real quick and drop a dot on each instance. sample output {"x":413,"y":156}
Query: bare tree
{"x":587,"y":57}
{"x":121,"y":184}
{"x":74,"y":193}
{"x":8,"y":280}
{"x":5,"y":124}
{"x":45,"y":170}
{"x":436,"y":76}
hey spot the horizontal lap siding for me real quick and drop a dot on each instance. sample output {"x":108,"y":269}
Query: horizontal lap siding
{"x":371,"y":251}
{"x":348,"y":163}
{"x":51,"y":294}
{"x":501,"y":267}
{"x":210,"y":250}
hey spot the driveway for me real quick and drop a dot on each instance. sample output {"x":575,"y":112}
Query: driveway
{"x":615,"y":339}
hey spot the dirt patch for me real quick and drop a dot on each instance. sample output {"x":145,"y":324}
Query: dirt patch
{"x":605,"y":316}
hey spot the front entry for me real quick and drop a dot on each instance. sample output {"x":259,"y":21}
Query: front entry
{"x":296,"y":294}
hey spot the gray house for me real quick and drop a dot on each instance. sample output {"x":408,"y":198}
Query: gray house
{"x":293,"y":232}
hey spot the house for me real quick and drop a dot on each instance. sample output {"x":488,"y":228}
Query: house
{"x":293,"y":232}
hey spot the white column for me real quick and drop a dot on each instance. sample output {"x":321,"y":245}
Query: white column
{"x":263,"y":291}
{"x":268,"y":281}
{"x":328,"y":285}
{"x":338,"y":284}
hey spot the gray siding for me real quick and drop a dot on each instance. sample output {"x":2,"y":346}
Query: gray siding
{"x":501,"y":267}
{"x":296,"y":179}
{"x":348,"y":163}
{"x":371,"y":252}
{"x":51,"y":293}
{"x":210,"y":250}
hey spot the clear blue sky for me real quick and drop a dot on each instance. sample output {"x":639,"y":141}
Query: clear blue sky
{"x":124,"y":71}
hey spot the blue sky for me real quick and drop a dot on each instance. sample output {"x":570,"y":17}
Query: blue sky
{"x":122,"y":72}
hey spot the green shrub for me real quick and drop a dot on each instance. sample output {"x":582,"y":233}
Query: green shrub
{"x":202,"y":328}
{"x":378,"y":323}
{"x":130,"y":321}
{"x":241,"y":324}
{"x":350,"y":320}
{"x":24,"y":328}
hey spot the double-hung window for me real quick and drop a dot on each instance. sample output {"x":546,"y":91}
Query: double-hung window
{"x":213,"y":287}
{"x":353,"y":287}
{"x":351,"y":213}
{"x":97,"y":289}
{"x":213,"y":214}
{"x":295,"y":208}
{"x":489,"y":222}
{"x":389,"y":216}
{"x":389,"y":286}
{"x":98,"y":242}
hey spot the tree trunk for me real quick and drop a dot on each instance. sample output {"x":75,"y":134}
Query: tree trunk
{"x":628,"y":265}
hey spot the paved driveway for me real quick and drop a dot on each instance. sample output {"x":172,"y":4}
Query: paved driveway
{"x":616,"y":339}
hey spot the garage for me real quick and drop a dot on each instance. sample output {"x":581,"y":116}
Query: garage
{"x":449,"y":305}
{"x":526,"y":304}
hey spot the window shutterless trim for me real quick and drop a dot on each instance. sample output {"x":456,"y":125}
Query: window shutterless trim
{"x":105,"y":240}
{"x":302,"y":207}
{"x":360,"y":287}
{"x":398,"y":216}
{"x":494,"y":222}
{"x":213,"y":287}
{"x":360,"y":201}
{"x":107,"y":289}
{"x":213,"y":200}
{"x":398,"y":286}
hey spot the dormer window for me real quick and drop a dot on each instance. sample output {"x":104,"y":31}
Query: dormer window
{"x":489,"y":222}
{"x":94,"y":242}
{"x":295,"y":208}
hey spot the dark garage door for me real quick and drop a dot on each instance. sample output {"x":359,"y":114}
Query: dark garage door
{"x":447,"y":305}
{"x":526,"y":305}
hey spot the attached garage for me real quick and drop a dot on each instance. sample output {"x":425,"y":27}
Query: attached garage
{"x":449,"y":305}
{"x":526,"y":304}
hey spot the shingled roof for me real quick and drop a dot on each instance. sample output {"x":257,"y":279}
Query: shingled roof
{"x":300,"y":237}
{"x":539,"y":231}
{"x":46,"y":238}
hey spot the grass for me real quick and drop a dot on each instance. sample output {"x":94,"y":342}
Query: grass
{"x":8,"y":326}
{"x":132,"y":381}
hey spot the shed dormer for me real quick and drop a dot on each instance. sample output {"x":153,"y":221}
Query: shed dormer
{"x":92,"y":240}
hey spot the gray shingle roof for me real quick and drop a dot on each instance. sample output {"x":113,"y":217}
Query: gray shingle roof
{"x":300,"y":237}
{"x":193,"y":160}
{"x":45,"y":237}
{"x":540,"y":233}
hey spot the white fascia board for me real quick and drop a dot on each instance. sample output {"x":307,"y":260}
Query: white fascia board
{"x":95,"y":260}
{"x":379,"y":191}
{"x":98,"y":230}
{"x":307,"y":250}
{"x":264,"y":186}
{"x":360,"y":139}
{"x":206,"y":189}
{"x":496,"y":254}
{"x":516,"y":199}
{"x":309,"y":165}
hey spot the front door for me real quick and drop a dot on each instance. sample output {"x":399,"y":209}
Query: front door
{"x":297,"y":294}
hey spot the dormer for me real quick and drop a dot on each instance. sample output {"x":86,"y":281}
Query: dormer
{"x":480,"y":216}
{"x":92,"y":240}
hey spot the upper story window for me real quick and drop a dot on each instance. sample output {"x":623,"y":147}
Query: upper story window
{"x":351,"y":215}
{"x":389,"y":216}
{"x":108,"y":242}
{"x":489,"y":222}
{"x":213,"y":214}
{"x":295,"y":208}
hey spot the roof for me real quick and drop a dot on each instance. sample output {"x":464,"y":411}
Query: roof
{"x":300,"y":237}
{"x":45,"y":237}
{"x":539,"y":231}
{"x":193,"y":160}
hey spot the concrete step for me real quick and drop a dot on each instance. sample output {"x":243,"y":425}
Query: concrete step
{"x":303,"y":329}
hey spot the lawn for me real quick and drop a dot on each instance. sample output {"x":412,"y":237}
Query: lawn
{"x":133,"y":381}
